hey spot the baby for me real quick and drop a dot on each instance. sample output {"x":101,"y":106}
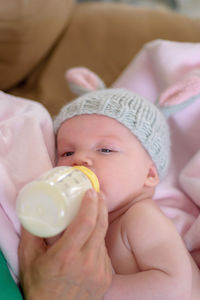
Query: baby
{"x":124,"y":139}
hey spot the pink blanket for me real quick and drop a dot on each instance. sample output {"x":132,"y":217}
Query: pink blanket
{"x":166,"y":70}
{"x":170,"y":71}
{"x":26,"y":151}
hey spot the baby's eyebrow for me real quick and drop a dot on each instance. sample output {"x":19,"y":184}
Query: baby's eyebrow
{"x":64,"y":148}
{"x":110,"y":141}
{"x":64,"y":142}
{"x":99,"y":140}
{"x":110,"y":137}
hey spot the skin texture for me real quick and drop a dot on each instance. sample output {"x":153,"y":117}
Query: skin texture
{"x":76,"y":267}
{"x":149,"y":258}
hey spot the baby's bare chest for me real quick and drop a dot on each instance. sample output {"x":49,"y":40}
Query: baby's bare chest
{"x":122,"y":258}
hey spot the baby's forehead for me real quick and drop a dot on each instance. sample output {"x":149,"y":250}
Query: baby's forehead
{"x":96,"y":126}
{"x":102,"y":123}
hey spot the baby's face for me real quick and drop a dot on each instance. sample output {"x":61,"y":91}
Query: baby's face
{"x":110,"y":150}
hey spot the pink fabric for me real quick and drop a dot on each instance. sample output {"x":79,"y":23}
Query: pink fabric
{"x":170,"y":71}
{"x":26,"y":151}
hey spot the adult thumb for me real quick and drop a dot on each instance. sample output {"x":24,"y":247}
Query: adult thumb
{"x":30,"y":247}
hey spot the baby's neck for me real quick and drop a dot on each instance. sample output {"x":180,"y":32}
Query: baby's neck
{"x":146,"y":194}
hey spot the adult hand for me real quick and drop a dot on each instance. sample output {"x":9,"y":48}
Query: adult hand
{"x":76,"y":266}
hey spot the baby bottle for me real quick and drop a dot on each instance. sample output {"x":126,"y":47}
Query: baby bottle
{"x":46,"y":206}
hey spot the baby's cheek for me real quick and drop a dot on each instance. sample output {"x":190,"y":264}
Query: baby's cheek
{"x":110,"y":182}
{"x":105,"y":182}
{"x":63,"y":162}
{"x":112,"y":194}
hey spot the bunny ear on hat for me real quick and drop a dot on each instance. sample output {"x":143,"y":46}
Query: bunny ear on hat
{"x":81,"y":80}
{"x":175,"y":98}
{"x":180,"y":95}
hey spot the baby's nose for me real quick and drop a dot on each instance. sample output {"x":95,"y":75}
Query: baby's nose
{"x":82,"y":159}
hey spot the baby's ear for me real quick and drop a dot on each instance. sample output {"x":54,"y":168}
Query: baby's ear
{"x":81,"y":80}
{"x":152,"y":178}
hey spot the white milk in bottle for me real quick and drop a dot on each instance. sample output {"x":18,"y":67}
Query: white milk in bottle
{"x":47,"y":205}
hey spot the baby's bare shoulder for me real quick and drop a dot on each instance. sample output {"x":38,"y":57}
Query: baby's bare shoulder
{"x":154,"y":240}
{"x":145,"y":221}
{"x":146,"y":209}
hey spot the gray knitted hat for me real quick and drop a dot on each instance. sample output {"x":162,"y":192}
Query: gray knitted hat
{"x":143,"y":118}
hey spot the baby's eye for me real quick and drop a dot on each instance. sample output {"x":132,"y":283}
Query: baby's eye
{"x":105,"y":150}
{"x":68,"y":153}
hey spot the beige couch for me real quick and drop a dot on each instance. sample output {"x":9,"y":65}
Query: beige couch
{"x":40,"y":39}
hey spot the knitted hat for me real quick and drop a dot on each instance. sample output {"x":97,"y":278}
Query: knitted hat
{"x":142,"y":117}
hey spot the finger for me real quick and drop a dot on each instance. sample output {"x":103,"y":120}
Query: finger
{"x":98,"y":235}
{"x":94,"y":250}
{"x":79,"y":231}
{"x":30,"y":246}
{"x":105,"y":265}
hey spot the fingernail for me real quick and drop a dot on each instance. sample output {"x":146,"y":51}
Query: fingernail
{"x":102,"y":196}
{"x":92,"y":193}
